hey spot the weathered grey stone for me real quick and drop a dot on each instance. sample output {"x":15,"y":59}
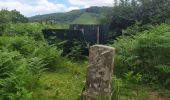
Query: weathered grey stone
{"x":99,"y":72}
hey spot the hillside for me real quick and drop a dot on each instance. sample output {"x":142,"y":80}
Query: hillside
{"x":92,"y":15}
{"x":87,"y":18}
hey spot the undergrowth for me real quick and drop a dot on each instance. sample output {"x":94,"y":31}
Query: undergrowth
{"x":145,"y":55}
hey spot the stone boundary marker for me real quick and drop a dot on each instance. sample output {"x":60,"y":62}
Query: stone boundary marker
{"x":99,"y":73}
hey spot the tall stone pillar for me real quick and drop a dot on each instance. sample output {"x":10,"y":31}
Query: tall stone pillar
{"x":99,"y":72}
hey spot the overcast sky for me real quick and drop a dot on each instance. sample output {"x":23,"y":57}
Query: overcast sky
{"x":35,"y":7}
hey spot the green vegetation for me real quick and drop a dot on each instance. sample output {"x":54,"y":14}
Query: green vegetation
{"x":91,"y":15}
{"x":65,"y":83}
{"x":143,"y":58}
{"x":31,"y":69}
{"x":11,"y":16}
{"x":87,"y":18}
{"x":126,"y":12}
{"x":57,"y":17}
{"x":22,"y":61}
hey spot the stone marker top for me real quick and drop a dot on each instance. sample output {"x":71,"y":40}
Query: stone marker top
{"x":103,"y":46}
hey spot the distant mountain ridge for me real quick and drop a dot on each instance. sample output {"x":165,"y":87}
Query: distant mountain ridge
{"x":83,"y":16}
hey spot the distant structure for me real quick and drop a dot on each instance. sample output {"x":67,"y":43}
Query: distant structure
{"x":87,"y":35}
{"x":92,"y":34}
{"x":63,"y":34}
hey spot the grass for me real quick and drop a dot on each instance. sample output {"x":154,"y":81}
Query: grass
{"x":64,"y":84}
{"x":136,"y":91}
{"x":67,"y":83}
{"x":60,"y":86}
{"x":86,"y":18}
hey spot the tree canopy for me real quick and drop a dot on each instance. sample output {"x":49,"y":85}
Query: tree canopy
{"x":127,"y":12}
{"x":12,"y":16}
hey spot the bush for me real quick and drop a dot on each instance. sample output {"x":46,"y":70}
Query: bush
{"x":144,"y":53}
{"x":14,"y":77}
{"x":22,"y":61}
{"x":30,"y":29}
{"x":28,"y":47}
{"x":18,"y":75}
{"x":50,"y":56}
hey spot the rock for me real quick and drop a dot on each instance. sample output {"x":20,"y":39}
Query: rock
{"x":99,"y":72}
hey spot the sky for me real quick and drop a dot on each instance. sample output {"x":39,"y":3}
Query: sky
{"x":39,"y":7}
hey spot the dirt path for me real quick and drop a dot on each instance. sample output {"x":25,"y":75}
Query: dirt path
{"x":155,"y":96}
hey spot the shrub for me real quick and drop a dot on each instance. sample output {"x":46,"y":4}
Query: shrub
{"x":50,"y":56}
{"x":30,"y":29}
{"x":22,"y":61}
{"x":141,"y":53}
{"x":30,"y":48}
{"x":14,"y":76}
{"x":77,"y":50}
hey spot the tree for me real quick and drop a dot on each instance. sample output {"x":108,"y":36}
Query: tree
{"x":10,"y":17}
{"x":154,"y":11}
{"x":4,"y":16}
{"x":17,"y":17}
{"x":126,"y":12}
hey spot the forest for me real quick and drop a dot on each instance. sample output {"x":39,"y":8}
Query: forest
{"x":33,"y":69}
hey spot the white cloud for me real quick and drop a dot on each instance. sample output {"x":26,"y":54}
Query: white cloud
{"x":71,"y":8}
{"x":87,"y":3}
{"x":32,"y":7}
